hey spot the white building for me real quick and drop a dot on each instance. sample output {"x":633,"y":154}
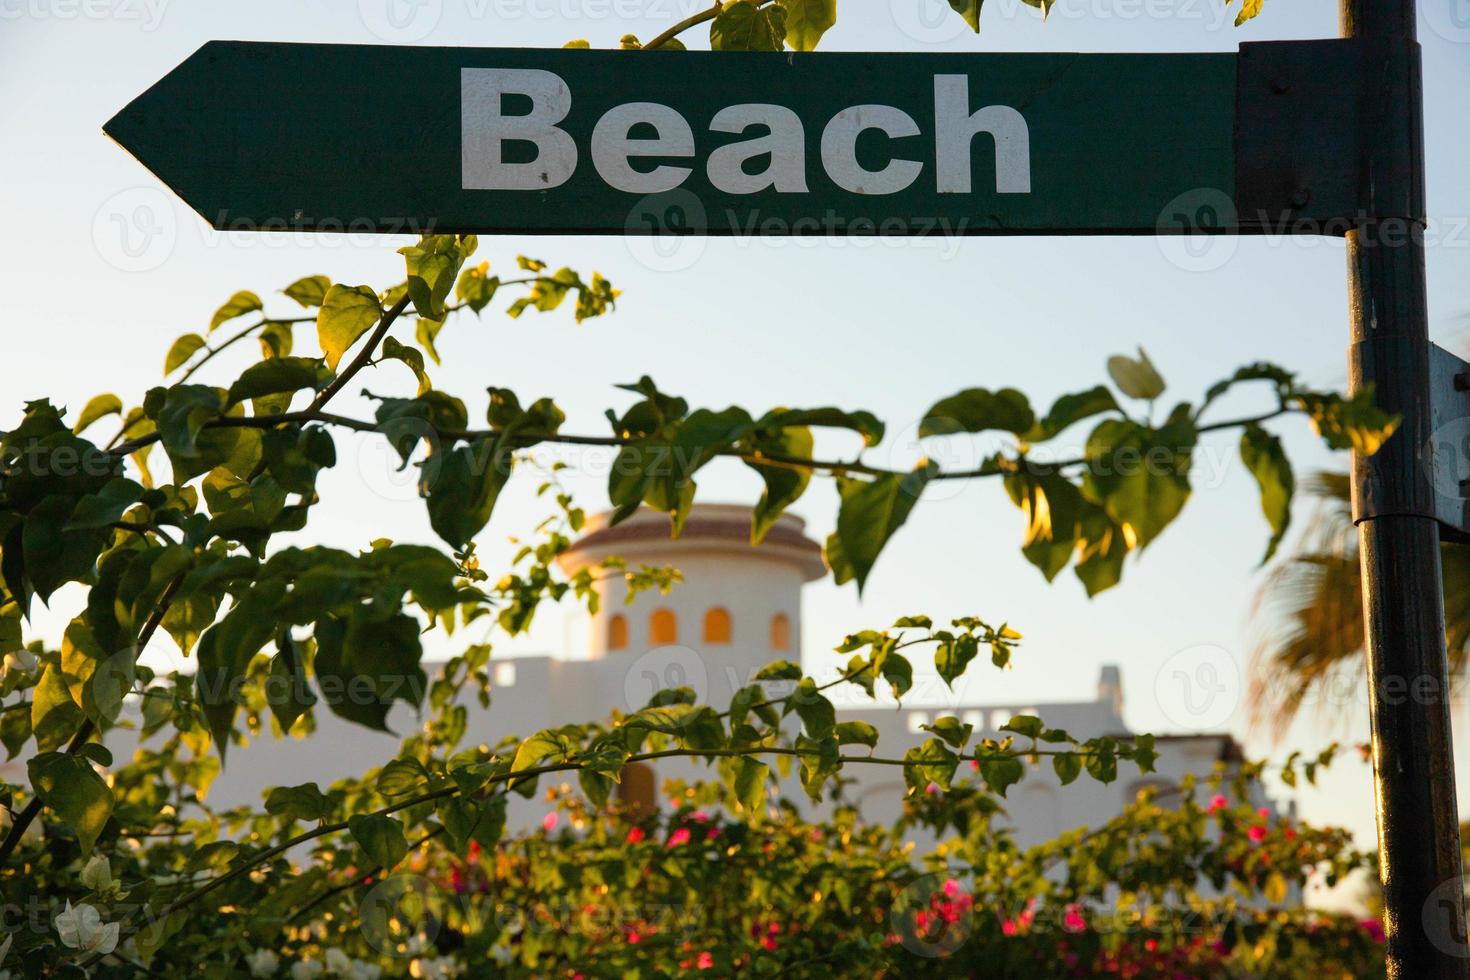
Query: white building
{"x":738,"y":608}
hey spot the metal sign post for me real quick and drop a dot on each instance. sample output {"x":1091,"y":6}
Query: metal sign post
{"x":1394,"y":506}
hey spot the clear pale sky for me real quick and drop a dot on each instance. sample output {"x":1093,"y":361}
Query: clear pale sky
{"x":103,"y":269}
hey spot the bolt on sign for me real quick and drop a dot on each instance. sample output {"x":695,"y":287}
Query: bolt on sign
{"x":311,"y":137}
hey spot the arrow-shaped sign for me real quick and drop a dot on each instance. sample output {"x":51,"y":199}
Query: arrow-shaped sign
{"x":312,"y":137}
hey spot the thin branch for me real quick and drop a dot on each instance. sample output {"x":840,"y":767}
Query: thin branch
{"x":987,"y":469}
{"x":361,"y":360}
{"x":359,"y":879}
{"x":707,"y":14}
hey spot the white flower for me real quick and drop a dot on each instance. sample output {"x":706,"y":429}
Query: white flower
{"x":338,"y":962}
{"x":97,"y":875}
{"x":439,"y":968}
{"x":364,"y":971}
{"x":18,"y":660}
{"x":501,"y":954}
{"x":263,"y":963}
{"x":306,"y":970}
{"x":82,"y":928}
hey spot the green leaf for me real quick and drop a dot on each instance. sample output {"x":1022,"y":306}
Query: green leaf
{"x":784,"y":484}
{"x":73,"y":789}
{"x":970,"y":10}
{"x":952,"y":656}
{"x":1355,"y":423}
{"x":978,"y":410}
{"x":15,"y":732}
{"x":276,"y":339}
{"x":225,"y":650}
{"x":106,"y":506}
{"x":1102,"y":546}
{"x":1262,"y":454}
{"x":181,"y":351}
{"x":1001,"y":772}
{"x":1248,"y":10}
{"x":747,"y":783}
{"x":366,"y":664}
{"x":309,"y":291}
{"x":1068,"y":410}
{"x":279,"y":374}
{"x":347,"y":312}
{"x":929,"y":763}
{"x":819,"y":761}
{"x":856,"y":732}
{"x":380,"y":837}
{"x":1053,"y":507}
{"x":807,"y":21}
{"x":1068,"y":766}
{"x":304,"y":802}
{"x":237,"y":305}
{"x":1029,"y":726}
{"x":461,"y":487}
{"x":290,"y":692}
{"x":98,"y":407}
{"x":432,"y":265}
{"x":742,"y":26}
{"x":898,"y":672}
{"x":1136,"y":378}
{"x":1102,"y":759}
{"x":54,"y":714}
{"x":401,"y":777}
{"x":864,"y":424}
{"x":871,"y":511}
{"x":949,"y":728}
{"x":476,"y":287}
{"x":1140,"y":476}
{"x":553,"y":743}
{"x":818,"y":716}
{"x":411,"y":356}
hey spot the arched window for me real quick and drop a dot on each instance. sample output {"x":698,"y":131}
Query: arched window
{"x":780,"y":632}
{"x":663,"y":627}
{"x":617,"y":632}
{"x":717,"y":626}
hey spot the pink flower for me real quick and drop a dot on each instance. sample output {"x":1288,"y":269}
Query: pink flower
{"x":1218,"y":803}
{"x":706,"y":961}
{"x":680,"y":836}
{"x":1373,"y":928}
{"x":932,"y":789}
{"x":634,"y":938}
{"x":1008,"y":928}
{"x":1257,"y":833}
{"x":712,"y":833}
{"x":700,"y":816}
{"x":951,"y":888}
{"x":1264,"y":813}
{"x":635,"y":835}
{"x":1072,"y":920}
{"x":548,"y":822}
{"x":769,"y":943}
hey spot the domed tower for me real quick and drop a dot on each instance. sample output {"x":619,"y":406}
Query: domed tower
{"x":737,"y":609}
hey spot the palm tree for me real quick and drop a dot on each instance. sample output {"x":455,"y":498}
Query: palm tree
{"x":1309,"y":613}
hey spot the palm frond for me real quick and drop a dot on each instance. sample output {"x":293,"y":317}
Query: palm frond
{"x":1309,"y":617}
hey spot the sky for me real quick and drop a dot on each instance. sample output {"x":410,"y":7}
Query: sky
{"x":103,"y":268}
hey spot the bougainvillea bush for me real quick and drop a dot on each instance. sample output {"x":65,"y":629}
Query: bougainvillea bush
{"x":167,"y":527}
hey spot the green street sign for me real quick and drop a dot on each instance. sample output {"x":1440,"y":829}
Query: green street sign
{"x":312,"y":137}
